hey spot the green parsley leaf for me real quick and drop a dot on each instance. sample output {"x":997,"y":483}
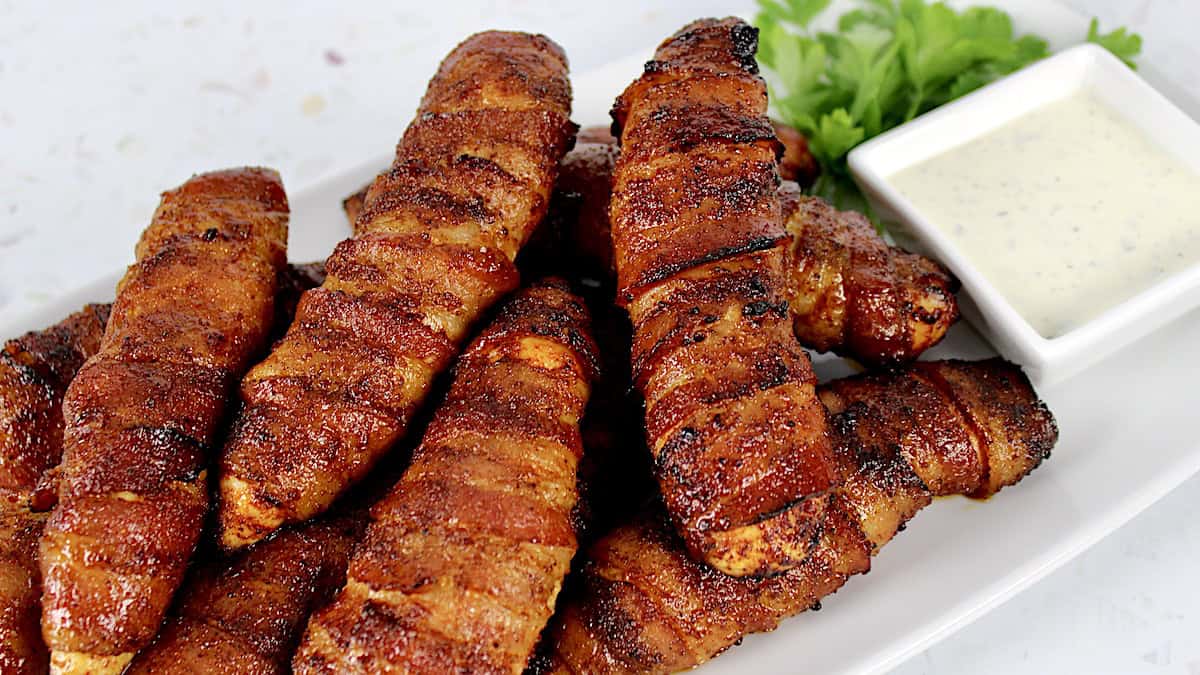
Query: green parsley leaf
{"x":1123,"y":44}
{"x":799,"y":13}
{"x":887,"y":62}
{"x":835,"y":133}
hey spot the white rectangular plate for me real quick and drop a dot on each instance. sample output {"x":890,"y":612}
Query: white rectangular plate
{"x":1127,"y":440}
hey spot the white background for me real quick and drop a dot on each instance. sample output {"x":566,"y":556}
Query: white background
{"x":103,"y":105}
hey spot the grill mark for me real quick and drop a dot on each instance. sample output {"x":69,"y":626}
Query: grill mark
{"x":979,"y":436}
{"x":667,"y":271}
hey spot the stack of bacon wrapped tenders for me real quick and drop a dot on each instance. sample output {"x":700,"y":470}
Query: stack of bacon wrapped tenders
{"x":182,"y":495}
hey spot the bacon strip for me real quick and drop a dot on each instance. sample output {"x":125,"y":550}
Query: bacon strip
{"x":293,"y":282}
{"x":643,"y":606}
{"x":464,"y":557}
{"x":189,"y":317}
{"x":35,"y":370}
{"x":742,"y":451}
{"x":433,"y":248}
{"x":853,"y":294}
{"x":576,"y":240}
{"x":246,"y":615}
{"x":21,"y":647}
{"x":849,"y":292}
{"x":797,"y":164}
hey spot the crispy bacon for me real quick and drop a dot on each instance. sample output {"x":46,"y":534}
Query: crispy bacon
{"x":294,"y":280}
{"x":35,"y":370}
{"x":464,"y":557}
{"x":245,"y":615}
{"x":576,"y":239}
{"x":642,"y":605}
{"x":433,"y":249}
{"x":848,"y":291}
{"x":353,"y":205}
{"x":741,"y":448}
{"x":189,"y":317}
{"x":22,"y":650}
{"x":851,"y":293}
{"x":797,"y":163}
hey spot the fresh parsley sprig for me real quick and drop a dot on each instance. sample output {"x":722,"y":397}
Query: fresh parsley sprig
{"x":887,"y":62}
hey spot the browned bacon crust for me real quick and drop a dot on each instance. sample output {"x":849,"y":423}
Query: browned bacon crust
{"x":741,"y":448}
{"x":464,"y":557}
{"x":294,"y":280}
{"x":189,"y":317}
{"x":22,"y":650}
{"x":853,"y":294}
{"x":245,"y":615}
{"x":35,"y":370}
{"x":433,"y":248}
{"x":797,"y":163}
{"x":353,"y":204}
{"x":938,"y":428}
{"x":848,"y":291}
{"x":575,"y":238}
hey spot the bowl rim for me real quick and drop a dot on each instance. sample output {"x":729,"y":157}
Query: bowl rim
{"x":1079,"y":67}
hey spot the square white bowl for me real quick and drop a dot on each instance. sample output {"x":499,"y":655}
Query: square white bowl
{"x":1087,"y":67}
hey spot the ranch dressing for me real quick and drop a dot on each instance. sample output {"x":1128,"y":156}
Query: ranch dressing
{"x":1068,"y":210}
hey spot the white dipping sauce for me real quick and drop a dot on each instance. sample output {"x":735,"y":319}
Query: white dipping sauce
{"x":1067,"y":210}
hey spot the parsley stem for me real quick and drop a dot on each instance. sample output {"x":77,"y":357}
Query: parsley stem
{"x":915,"y":105}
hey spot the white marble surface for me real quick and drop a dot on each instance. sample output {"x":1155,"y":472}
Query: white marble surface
{"x":102,"y":106}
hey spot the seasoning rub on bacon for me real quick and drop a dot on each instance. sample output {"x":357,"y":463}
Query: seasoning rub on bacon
{"x":851,"y":293}
{"x":142,"y":412}
{"x":741,"y":447}
{"x":35,"y":370}
{"x":848,"y":291}
{"x":465,"y":556}
{"x":433,"y":248}
{"x":642,"y":605}
{"x":244,"y":615}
